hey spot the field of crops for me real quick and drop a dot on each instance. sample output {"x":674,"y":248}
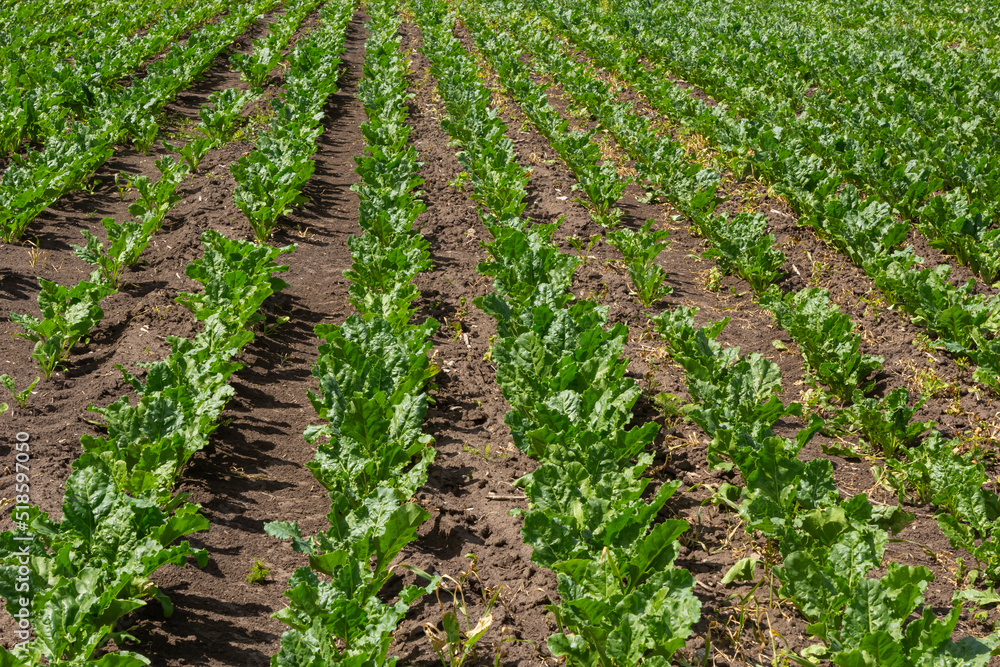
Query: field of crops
{"x":499,"y":332}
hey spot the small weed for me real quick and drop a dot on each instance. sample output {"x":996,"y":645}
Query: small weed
{"x":650,"y":384}
{"x":928,"y":383}
{"x":454,"y":644}
{"x":819,"y":269}
{"x":123,"y":185}
{"x":258,"y":573}
{"x":20,"y":396}
{"x":460,"y":181}
{"x":268,"y":329}
{"x":583,"y":247}
{"x":36,"y":255}
{"x":671,"y":407}
{"x":875,"y":305}
{"x":485,"y":453}
{"x":713,"y":279}
{"x":922,"y":342}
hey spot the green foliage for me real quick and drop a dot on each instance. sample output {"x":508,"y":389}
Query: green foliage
{"x":648,"y":283}
{"x":127,"y":241}
{"x":640,"y":246}
{"x":827,"y":339}
{"x":270,"y":179}
{"x":20,"y":396}
{"x":373,"y":373}
{"x":93,"y":567}
{"x":219,"y":120}
{"x":640,"y":249}
{"x":742,"y":247}
{"x":68,"y":315}
{"x":887,"y":424}
{"x":591,"y":519}
{"x":156,"y":199}
{"x":193,"y":151}
{"x":144,"y":133}
{"x":259,"y":572}
{"x":237,"y":279}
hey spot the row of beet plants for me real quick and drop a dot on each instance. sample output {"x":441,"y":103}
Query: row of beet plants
{"x":270,"y":179}
{"x":374,"y":377}
{"x":67,"y":162}
{"x":593,"y":517}
{"x":76,"y":577}
{"x":928,"y":470}
{"x":740,"y":243}
{"x":45,"y":90}
{"x":33,"y":30}
{"x":597,"y":178}
{"x":828,"y":545}
{"x":864,"y":229}
{"x":69,"y":313}
{"x":224,"y":112}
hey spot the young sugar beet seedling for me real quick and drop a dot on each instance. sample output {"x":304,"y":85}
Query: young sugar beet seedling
{"x":193,"y":151}
{"x":156,"y":199}
{"x":20,"y":396}
{"x":68,"y":315}
{"x":220,"y":119}
{"x":127,"y":240}
{"x":640,"y":250}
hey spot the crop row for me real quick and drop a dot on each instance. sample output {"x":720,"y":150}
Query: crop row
{"x":33,"y":182}
{"x":59,"y":94}
{"x":266,"y":52}
{"x":591,"y":516}
{"x":374,"y":375}
{"x":270,"y":179}
{"x":825,"y":335}
{"x":79,"y":575}
{"x":70,"y":312}
{"x":863,"y":229}
{"x":881,"y":127}
{"x":828,"y":545}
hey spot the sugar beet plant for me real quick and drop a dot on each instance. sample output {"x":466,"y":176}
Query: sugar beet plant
{"x":622,"y":600}
{"x":121,"y":519}
{"x":826,"y":336}
{"x":69,"y":313}
{"x":128,"y":240}
{"x":828,"y":545}
{"x":374,"y":375}
{"x":640,"y":248}
{"x":270,"y":179}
